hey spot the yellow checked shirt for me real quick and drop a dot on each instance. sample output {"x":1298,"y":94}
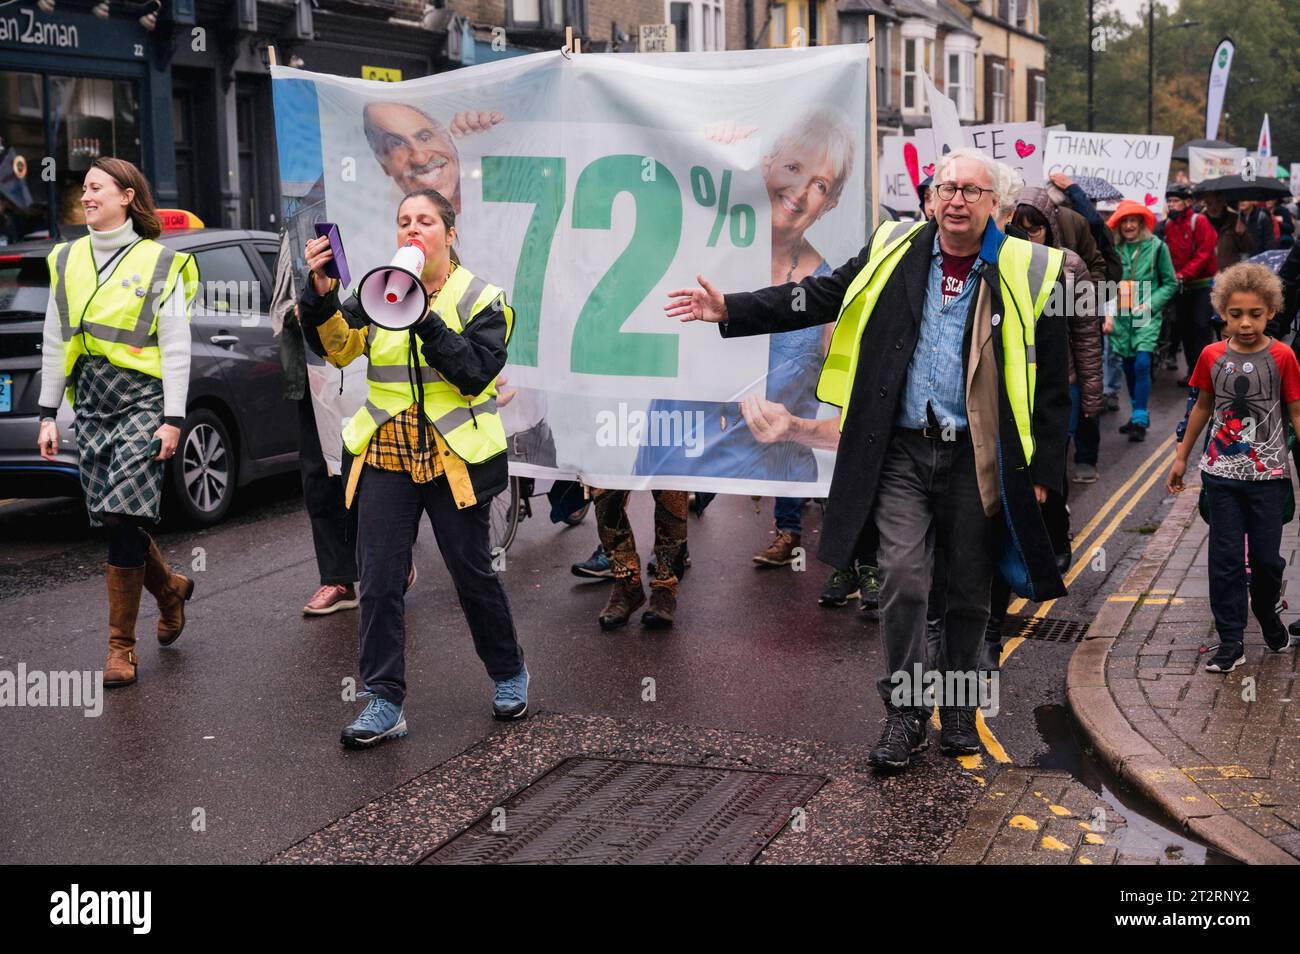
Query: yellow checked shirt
{"x":396,"y":446}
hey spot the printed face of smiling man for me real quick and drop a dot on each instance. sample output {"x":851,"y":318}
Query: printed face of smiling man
{"x":414,"y":150}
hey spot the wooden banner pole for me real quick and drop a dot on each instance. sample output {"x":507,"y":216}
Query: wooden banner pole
{"x":873,"y":181}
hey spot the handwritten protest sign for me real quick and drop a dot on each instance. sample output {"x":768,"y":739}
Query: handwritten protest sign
{"x":906,"y":161}
{"x":1205,"y":164}
{"x":1019,"y":145}
{"x":1137,"y":165}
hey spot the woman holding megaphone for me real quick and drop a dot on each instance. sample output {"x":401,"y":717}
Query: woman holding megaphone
{"x":429,"y":439}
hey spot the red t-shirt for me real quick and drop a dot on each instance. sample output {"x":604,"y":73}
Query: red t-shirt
{"x":955,"y":271}
{"x":1251,"y":392}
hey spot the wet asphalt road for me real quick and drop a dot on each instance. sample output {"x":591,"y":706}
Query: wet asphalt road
{"x":240,"y":718}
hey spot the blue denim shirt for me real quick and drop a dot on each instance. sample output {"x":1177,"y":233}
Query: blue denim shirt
{"x":936,"y":372}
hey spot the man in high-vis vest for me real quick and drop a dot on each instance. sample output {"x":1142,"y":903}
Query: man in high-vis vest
{"x":953,"y":387}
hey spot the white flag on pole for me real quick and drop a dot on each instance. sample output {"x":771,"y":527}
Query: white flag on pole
{"x":944,"y":121}
{"x":1265,"y":140}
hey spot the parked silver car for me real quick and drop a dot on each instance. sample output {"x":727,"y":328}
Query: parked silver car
{"x":238,"y":425}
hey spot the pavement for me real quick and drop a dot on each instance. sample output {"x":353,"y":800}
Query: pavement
{"x":1219,"y":754}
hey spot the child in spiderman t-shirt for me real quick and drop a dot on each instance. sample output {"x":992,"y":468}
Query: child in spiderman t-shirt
{"x":1249,"y":388}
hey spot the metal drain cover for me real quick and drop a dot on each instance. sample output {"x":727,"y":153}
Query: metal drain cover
{"x":1051,"y":630}
{"x":606,"y":811}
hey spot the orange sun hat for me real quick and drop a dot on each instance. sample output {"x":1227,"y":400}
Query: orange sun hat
{"x":1129,"y":207}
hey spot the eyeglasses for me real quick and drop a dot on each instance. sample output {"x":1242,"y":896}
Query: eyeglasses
{"x":971,"y":193}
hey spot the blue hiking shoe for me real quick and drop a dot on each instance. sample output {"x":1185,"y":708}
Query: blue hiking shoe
{"x":511,"y":699}
{"x":596,"y":566}
{"x":379,"y":720}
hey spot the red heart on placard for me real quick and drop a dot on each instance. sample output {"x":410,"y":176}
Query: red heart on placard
{"x":910,"y":160}
{"x":1150,"y":199}
{"x":1024,"y":149}
{"x":928,"y":170}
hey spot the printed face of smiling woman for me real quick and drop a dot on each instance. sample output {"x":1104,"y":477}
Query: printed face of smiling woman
{"x":800,"y":180}
{"x":415,"y":151}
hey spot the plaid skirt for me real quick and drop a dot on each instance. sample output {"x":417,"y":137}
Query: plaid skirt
{"x":117,"y":412}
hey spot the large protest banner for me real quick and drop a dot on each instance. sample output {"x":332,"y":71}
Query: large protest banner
{"x":1135,"y":164}
{"x":588,"y":187}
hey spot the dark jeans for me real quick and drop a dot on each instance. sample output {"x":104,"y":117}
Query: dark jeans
{"x":333,"y":526}
{"x":1243,"y":513}
{"x":1192,"y":314}
{"x":927,"y":504}
{"x":390,"y":505}
{"x":788,"y":512}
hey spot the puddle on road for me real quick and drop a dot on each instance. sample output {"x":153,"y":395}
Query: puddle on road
{"x":1148,"y":833}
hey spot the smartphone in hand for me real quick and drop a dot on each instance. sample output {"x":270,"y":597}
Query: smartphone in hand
{"x":338,"y":267}
{"x":155,"y":448}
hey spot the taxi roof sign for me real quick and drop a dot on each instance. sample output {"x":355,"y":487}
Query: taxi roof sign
{"x":177,"y":220}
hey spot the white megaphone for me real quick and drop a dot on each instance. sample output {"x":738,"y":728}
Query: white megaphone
{"x":392,"y":295}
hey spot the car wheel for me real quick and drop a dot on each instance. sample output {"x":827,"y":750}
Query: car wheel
{"x":203,"y":473}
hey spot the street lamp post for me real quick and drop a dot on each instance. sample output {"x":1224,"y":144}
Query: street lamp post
{"x":1090,"y":21}
{"x":1151,"y":58}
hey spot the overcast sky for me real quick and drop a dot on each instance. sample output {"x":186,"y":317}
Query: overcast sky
{"x":1136,"y":9}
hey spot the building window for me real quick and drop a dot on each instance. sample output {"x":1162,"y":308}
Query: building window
{"x":780,"y":26}
{"x":679,"y":15}
{"x":1038,"y":96}
{"x":700,"y":24}
{"x":550,"y":15}
{"x":882,"y":63}
{"x":959,"y":75}
{"x":917,"y":54}
{"x":995,"y":96}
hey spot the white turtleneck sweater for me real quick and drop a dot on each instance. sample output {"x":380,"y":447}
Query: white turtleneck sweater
{"x":173,"y":335}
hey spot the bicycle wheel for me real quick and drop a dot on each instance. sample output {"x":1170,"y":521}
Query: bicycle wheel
{"x":505,"y":517}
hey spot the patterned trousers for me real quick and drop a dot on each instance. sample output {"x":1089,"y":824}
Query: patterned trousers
{"x":617,"y":539}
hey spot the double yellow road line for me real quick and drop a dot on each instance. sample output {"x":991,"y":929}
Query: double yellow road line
{"x":1148,"y":472}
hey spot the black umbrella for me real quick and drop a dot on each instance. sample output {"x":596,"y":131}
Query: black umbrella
{"x":1181,"y":151}
{"x":1236,"y":188}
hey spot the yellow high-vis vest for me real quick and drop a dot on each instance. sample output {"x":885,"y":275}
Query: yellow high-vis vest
{"x":116,"y":318}
{"x":469,"y":424}
{"x":1027,"y":272}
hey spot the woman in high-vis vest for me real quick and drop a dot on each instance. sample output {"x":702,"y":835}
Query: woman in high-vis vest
{"x":117,"y":338}
{"x":428,"y":438}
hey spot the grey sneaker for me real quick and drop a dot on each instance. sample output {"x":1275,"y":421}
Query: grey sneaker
{"x":1084,"y":474}
{"x":511,"y":699}
{"x":379,"y":720}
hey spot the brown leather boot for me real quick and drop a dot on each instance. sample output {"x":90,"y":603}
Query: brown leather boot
{"x":171,"y":590}
{"x":780,"y":552}
{"x":624,"y":599}
{"x":663,"y":604}
{"x":124,"y":586}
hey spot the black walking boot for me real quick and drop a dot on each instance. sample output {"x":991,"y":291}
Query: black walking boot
{"x":903,"y":736}
{"x":958,"y":733}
